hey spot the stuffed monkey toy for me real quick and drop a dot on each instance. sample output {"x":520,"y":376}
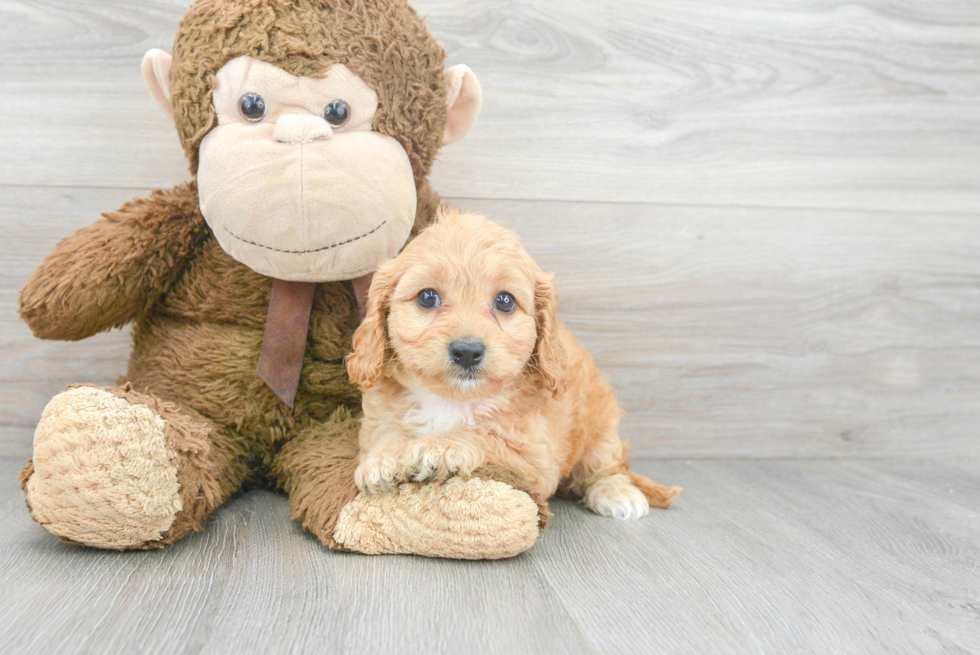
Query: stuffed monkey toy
{"x":311,"y":127}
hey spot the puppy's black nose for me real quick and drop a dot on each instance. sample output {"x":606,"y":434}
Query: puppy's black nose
{"x":467,"y":352}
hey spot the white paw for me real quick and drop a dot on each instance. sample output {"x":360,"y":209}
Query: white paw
{"x":434,"y":460}
{"x":377,"y":474}
{"x":616,"y":497}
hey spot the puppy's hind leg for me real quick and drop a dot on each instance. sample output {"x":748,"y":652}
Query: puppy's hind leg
{"x":603,"y":479}
{"x":627,"y":495}
{"x":602,"y":476}
{"x":616,"y":496}
{"x":609,"y":488}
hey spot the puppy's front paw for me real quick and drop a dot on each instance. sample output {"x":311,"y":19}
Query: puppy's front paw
{"x":377,"y":474}
{"x":438,"y":460}
{"x":616,"y":497}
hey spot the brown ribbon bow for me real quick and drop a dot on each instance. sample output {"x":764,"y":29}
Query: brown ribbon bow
{"x":286,"y":327}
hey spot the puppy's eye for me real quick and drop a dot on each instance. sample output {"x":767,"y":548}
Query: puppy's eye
{"x":504,"y":303}
{"x":252,"y":106}
{"x":428,"y":299}
{"x":336,"y":113}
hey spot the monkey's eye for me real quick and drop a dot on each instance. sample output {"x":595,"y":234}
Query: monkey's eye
{"x":252,"y":106}
{"x":336,"y":113}
{"x":428,"y":299}
{"x":504,"y":303}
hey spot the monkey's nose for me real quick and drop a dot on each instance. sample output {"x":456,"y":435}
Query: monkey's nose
{"x":300,"y":128}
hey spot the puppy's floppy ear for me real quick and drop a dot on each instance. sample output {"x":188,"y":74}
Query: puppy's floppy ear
{"x":366,"y":363}
{"x":552,"y":359}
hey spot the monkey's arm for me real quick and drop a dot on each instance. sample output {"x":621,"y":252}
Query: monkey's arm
{"x":109,"y":273}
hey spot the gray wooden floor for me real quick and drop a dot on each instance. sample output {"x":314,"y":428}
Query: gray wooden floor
{"x":761,"y":556}
{"x":765,"y":217}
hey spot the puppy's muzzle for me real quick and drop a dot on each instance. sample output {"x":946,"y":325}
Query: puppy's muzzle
{"x":467,"y":353}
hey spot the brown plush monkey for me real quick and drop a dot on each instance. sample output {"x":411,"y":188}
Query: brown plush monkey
{"x":311,"y":127}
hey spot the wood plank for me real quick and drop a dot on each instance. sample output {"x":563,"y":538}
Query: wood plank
{"x":743,"y":332}
{"x":778,"y":556}
{"x":253,"y":582}
{"x":805,"y":103}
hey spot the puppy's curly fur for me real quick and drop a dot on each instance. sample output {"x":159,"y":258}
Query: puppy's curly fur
{"x":534,"y":401}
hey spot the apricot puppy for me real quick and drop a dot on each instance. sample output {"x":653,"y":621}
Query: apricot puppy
{"x":463,"y":362}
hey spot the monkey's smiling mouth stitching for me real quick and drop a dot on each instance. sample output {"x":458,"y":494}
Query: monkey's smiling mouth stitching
{"x":302,"y":252}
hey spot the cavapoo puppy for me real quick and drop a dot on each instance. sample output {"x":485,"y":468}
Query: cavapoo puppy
{"x":463,"y":362}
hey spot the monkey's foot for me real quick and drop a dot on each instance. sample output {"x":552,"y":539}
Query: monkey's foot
{"x":106,"y":468}
{"x":474,"y":517}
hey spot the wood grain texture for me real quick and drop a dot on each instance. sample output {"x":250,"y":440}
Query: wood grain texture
{"x":788,"y":556}
{"x":802,"y":103}
{"x":740,"y":332}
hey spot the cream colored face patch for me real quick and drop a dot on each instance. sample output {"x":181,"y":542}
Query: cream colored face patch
{"x":293,"y":180}
{"x":286,"y":94}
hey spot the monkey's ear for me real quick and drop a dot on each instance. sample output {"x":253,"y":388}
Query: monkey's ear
{"x":156,"y":74}
{"x":463,"y":99}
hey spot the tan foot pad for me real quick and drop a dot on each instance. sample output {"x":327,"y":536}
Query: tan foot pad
{"x":459,"y":519}
{"x":104,"y":474}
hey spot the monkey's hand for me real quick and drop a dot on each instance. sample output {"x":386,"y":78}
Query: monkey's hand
{"x":109,"y":273}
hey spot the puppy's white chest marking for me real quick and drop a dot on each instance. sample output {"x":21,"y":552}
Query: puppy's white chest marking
{"x":433,"y":414}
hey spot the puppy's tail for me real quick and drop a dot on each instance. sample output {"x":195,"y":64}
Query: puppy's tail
{"x":657,"y":495}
